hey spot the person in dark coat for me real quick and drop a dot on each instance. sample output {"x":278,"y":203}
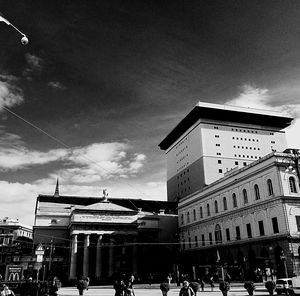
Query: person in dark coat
{"x":119,"y":287}
{"x":80,"y":286}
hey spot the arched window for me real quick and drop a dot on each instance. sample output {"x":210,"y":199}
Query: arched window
{"x":208,"y":210}
{"x":245,"y":195}
{"x":270,"y":187}
{"x":194,"y":214}
{"x":234,"y":201}
{"x":256,"y":191}
{"x":225,"y":203}
{"x":218,"y":234}
{"x":201,"y":212}
{"x":188,"y":217}
{"x":292,"y":184}
{"x":216,"y":207}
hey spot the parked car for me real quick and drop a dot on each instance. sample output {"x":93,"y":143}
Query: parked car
{"x":284,"y":286}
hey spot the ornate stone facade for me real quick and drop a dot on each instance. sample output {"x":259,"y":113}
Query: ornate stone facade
{"x":99,"y":237}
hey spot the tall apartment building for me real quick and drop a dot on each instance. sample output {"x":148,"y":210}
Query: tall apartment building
{"x":214,"y":139}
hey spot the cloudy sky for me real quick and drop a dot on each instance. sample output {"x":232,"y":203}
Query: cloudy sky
{"x":101,"y":83}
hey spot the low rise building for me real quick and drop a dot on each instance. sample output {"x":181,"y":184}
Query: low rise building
{"x":15,"y":244}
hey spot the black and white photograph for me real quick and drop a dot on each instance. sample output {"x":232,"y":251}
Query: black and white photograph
{"x":149,"y":147}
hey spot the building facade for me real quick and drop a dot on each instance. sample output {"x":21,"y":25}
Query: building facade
{"x":213,"y":139}
{"x":15,"y":245}
{"x":237,"y":192}
{"x":100,"y":238}
{"x":248,"y":220}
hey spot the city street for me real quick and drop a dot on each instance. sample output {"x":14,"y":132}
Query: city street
{"x":155,"y":291}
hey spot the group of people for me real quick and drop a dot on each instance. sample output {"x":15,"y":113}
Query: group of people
{"x":29,"y":287}
{"x":124,"y":286}
{"x":83,"y":284}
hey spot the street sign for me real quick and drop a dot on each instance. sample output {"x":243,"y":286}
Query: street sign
{"x":39,"y":258}
{"x":39,"y":250}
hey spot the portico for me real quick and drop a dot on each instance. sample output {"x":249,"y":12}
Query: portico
{"x":102,"y":253}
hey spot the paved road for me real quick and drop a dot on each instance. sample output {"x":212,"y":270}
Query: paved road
{"x":154,"y":291}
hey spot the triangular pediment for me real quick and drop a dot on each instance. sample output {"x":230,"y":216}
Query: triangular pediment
{"x":104,"y":206}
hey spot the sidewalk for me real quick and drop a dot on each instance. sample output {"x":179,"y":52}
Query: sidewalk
{"x":236,"y":287}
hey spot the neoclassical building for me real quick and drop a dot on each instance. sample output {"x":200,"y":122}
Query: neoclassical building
{"x":100,"y":237}
{"x":247,"y":220}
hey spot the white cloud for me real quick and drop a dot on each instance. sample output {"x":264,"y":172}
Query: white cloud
{"x":252,"y":97}
{"x":87,"y":164}
{"x":10,"y":94}
{"x":18,"y":201}
{"x":56,"y":85}
{"x":261,"y":98}
{"x":35,"y":66}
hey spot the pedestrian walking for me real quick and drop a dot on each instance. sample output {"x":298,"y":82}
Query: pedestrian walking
{"x":165,"y":288}
{"x":80,"y":286}
{"x":119,"y":287}
{"x":201,"y":282}
{"x":186,"y":290}
{"x":169,"y":278}
{"x":211,"y":282}
{"x":6,"y":291}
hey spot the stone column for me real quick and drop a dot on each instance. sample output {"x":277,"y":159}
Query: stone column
{"x":85,"y":270}
{"x":134,"y":254}
{"x":111,"y":257}
{"x":73,"y":263}
{"x":98,"y":257}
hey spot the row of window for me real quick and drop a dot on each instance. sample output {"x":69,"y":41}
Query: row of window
{"x":219,"y":238}
{"x":246,"y":147}
{"x":241,"y":139}
{"x":246,"y":156}
{"x":293,"y":189}
{"x":245,"y":131}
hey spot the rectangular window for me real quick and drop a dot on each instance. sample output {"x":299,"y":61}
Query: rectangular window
{"x":220,"y":171}
{"x":219,"y":161}
{"x":275,"y":225}
{"x":227,"y":234}
{"x":298,"y":222}
{"x":210,"y":238}
{"x":203,"y":240}
{"x":249,"y":231}
{"x":261,"y":227}
{"x":236,"y":163}
{"x":196,"y":241}
{"x":238,"y":233}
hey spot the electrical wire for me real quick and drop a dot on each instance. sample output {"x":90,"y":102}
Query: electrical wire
{"x":69,"y":147}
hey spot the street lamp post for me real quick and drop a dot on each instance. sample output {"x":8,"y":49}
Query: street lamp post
{"x":24,"y":39}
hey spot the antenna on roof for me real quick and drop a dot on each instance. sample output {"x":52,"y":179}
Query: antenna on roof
{"x":56,"y":193}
